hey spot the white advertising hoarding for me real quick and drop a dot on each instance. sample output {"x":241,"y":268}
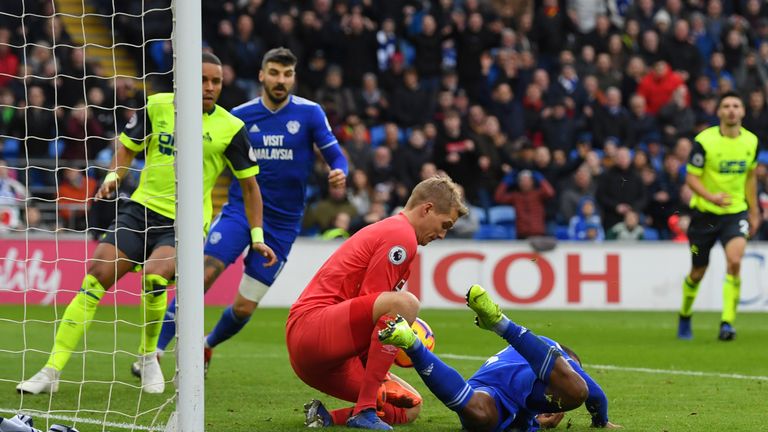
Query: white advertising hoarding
{"x":608,"y":276}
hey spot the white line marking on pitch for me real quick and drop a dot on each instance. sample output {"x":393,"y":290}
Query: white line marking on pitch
{"x":636,"y":369}
{"x":40,"y":414}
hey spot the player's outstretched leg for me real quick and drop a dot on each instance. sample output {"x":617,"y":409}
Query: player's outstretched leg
{"x":77,"y":318}
{"x":540,"y":355}
{"x":442,"y":380}
{"x":168,"y":332}
{"x":316,"y":415}
{"x":561,"y":383}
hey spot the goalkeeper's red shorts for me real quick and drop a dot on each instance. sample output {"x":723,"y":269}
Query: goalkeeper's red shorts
{"x":328,"y":346}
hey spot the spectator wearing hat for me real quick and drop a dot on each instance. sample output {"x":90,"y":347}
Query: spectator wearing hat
{"x":585,"y":225}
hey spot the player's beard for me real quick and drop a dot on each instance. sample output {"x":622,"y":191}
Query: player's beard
{"x":275,"y":99}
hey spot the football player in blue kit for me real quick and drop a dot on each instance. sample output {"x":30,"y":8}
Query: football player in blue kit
{"x":283,"y":129}
{"x":526,"y":386}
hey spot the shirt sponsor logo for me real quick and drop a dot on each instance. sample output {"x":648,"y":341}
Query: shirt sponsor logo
{"x":273,"y":154}
{"x":397,"y":255}
{"x":293,"y":127}
{"x":732,"y":167}
{"x":272,"y":140}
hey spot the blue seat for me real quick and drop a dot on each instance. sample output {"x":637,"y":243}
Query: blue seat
{"x":650,"y":233}
{"x":495,"y":232}
{"x":561,"y":232}
{"x":502,"y":215}
{"x":11,"y":148}
{"x":480,"y":212}
{"x":377,"y":135}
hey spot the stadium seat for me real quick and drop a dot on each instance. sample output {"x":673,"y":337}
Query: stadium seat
{"x":501,"y":215}
{"x":55,"y":148}
{"x":10,"y":149}
{"x":650,"y":233}
{"x":495,"y":232}
{"x":377,"y":135}
{"x":561,"y":232}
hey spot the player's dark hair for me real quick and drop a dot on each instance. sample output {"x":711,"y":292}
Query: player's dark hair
{"x":281,"y":55}
{"x":571,"y":353}
{"x":729,"y":94}
{"x":211,"y":58}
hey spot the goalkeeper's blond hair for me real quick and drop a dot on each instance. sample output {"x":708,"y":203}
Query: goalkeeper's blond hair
{"x":442,"y":192}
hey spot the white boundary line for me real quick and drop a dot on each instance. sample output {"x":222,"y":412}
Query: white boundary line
{"x":40,"y":414}
{"x":636,"y":369}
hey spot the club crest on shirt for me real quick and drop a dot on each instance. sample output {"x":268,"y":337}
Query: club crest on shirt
{"x":293,"y":126}
{"x":397,"y":255}
{"x":215,"y":237}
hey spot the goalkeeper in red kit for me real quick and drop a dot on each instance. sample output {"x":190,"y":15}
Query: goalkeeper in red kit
{"x":332,"y":329}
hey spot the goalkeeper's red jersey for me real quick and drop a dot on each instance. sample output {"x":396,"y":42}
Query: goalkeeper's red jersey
{"x":376,"y":259}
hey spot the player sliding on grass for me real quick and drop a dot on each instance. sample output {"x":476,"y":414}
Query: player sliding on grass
{"x":283,"y":130}
{"x":143,"y":231}
{"x":533,"y":375}
{"x":332,"y":329}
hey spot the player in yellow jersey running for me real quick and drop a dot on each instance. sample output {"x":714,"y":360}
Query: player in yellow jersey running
{"x":721,"y":173}
{"x":143,"y":231}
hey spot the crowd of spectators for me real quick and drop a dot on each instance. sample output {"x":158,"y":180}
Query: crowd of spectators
{"x":578,"y":113}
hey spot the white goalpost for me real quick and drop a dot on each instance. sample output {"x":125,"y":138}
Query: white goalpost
{"x":189,"y":162}
{"x":80,"y":76}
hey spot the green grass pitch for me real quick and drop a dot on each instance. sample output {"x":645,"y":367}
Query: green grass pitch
{"x":654,"y":382}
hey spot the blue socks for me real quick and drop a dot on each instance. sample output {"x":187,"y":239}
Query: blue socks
{"x":442,"y":380}
{"x":539,"y":354}
{"x":229,"y":325}
{"x":168,"y":331}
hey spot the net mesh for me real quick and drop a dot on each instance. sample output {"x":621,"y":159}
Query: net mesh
{"x":72,"y":74}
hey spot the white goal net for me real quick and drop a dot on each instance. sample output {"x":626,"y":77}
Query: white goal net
{"x":72,"y":74}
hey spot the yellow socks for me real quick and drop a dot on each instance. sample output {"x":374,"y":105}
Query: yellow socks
{"x":154,"y":301}
{"x":76,"y":320}
{"x":731,"y":292}
{"x":690,"y":289}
